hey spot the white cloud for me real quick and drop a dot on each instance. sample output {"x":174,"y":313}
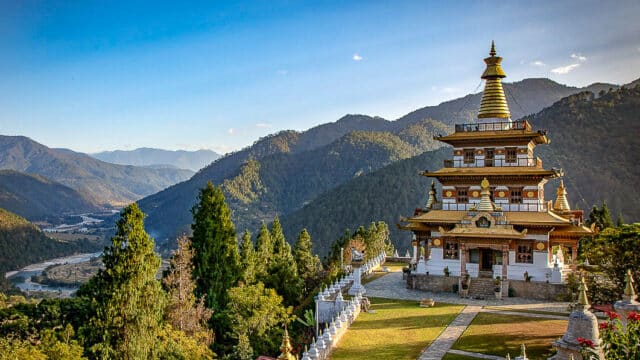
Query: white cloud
{"x":579,"y":57}
{"x":356,"y":57}
{"x":538,"y":63}
{"x":231,"y":131}
{"x":565,"y":69}
{"x":263,"y":125}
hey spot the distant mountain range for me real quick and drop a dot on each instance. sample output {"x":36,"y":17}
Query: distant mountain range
{"x":99,"y":182}
{"x":37,"y":198}
{"x":158,"y":158}
{"x":284,"y":172}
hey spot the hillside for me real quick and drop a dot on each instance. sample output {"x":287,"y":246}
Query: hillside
{"x":525,"y":97}
{"x":98,"y":181}
{"x":37,"y":198}
{"x":594,"y":140}
{"x":22,"y":243}
{"x":158,"y":158}
{"x":292,"y":168}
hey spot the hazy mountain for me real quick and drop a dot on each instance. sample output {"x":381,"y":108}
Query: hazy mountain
{"x":97,"y":181}
{"x":37,"y":198}
{"x":158,"y":158}
{"x":595,"y":141}
{"x":290,"y":169}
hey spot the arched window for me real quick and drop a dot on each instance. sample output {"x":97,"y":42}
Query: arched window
{"x":483,"y":222}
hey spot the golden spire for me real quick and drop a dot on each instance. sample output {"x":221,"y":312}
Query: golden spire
{"x":583,"y":301}
{"x":629,"y":292}
{"x":562,"y":204}
{"x":485,"y":197}
{"x":494,"y":102}
{"x":432,"y":196}
{"x":286,"y":347}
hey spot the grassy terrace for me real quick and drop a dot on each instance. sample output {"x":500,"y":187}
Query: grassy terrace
{"x":398,"y":330}
{"x":498,"y":334}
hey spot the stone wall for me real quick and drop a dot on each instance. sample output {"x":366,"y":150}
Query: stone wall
{"x":538,"y":290}
{"x":433,"y":283}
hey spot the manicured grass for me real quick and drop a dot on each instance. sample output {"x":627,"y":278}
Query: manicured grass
{"x":526,"y":311}
{"x":498,"y":334}
{"x":398,"y":330}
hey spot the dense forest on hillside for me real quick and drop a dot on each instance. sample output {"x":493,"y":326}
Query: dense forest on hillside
{"x":22,"y":243}
{"x":37,"y":198}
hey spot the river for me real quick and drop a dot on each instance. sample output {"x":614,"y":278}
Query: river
{"x":36,"y":269}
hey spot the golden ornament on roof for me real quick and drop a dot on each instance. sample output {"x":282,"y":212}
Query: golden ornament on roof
{"x":494,"y":102}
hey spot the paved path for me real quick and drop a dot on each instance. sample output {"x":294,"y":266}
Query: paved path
{"x":392,"y":286}
{"x":448,"y":337}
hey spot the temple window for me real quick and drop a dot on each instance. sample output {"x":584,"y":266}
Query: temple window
{"x":515,"y":196}
{"x":524,"y":253}
{"x":451,"y":250}
{"x":511,"y":155}
{"x":469,"y":156}
{"x":463,"y":195}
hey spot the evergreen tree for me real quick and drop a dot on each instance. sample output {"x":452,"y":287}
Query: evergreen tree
{"x":601,"y":217}
{"x":129,"y":299}
{"x":620,"y":220}
{"x":308,"y":264}
{"x":216,"y":263}
{"x":248,"y":259}
{"x":184,"y":312}
{"x":264,"y":253}
{"x":215,"y":248}
{"x":283,"y":272}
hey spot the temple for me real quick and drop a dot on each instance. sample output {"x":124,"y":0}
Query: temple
{"x":491,"y":218}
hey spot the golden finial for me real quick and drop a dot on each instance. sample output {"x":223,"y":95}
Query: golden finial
{"x":494,"y":102}
{"x":629,"y":292}
{"x":485,"y":197}
{"x":523,"y":351}
{"x":286,"y":347}
{"x":432,"y":196}
{"x":583,"y":301}
{"x":561,"y":204}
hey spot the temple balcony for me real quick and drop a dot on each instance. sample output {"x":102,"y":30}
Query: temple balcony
{"x":500,"y":162}
{"x":531,"y":207}
{"x":522,"y":125}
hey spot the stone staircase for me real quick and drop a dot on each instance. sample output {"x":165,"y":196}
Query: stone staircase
{"x":482,"y":288}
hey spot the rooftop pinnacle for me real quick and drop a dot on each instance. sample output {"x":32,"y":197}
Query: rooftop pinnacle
{"x":561,"y":204}
{"x":494,"y":102}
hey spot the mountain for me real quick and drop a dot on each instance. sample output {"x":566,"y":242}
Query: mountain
{"x":98,"y":181}
{"x":22,"y":243}
{"x":594,"y":140}
{"x":37,"y":198}
{"x":524,"y":97}
{"x":158,"y":158}
{"x":282,"y":172}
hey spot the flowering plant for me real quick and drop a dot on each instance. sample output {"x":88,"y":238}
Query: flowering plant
{"x":618,"y":341}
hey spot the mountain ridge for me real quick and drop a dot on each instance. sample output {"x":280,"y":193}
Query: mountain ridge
{"x":144,"y":156}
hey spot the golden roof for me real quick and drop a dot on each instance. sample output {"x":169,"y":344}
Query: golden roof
{"x":494,"y":102}
{"x":286,"y":348}
{"x":497,"y":135}
{"x":489,"y":171}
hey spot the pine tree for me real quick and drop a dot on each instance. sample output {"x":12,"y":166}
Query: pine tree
{"x":129,"y":299}
{"x":184,"y":312}
{"x":264,"y":253}
{"x":283,"y":272}
{"x":248,"y":259}
{"x":215,"y":248}
{"x":308,"y":264}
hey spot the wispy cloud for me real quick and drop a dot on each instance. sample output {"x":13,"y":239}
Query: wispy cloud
{"x":538,"y":63}
{"x":356,"y":57}
{"x":565,"y":69}
{"x":579,"y":57}
{"x":231,"y":131}
{"x":263,"y":125}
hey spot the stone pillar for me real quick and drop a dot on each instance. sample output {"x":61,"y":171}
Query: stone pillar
{"x":357,"y":285}
{"x":505,"y":261}
{"x":628,"y":302}
{"x":463,"y":258}
{"x":582,"y":324}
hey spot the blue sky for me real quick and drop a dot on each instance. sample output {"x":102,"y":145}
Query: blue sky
{"x":95,"y":76}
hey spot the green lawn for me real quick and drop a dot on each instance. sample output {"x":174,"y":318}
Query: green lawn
{"x":498,"y":334}
{"x":398,"y":330}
